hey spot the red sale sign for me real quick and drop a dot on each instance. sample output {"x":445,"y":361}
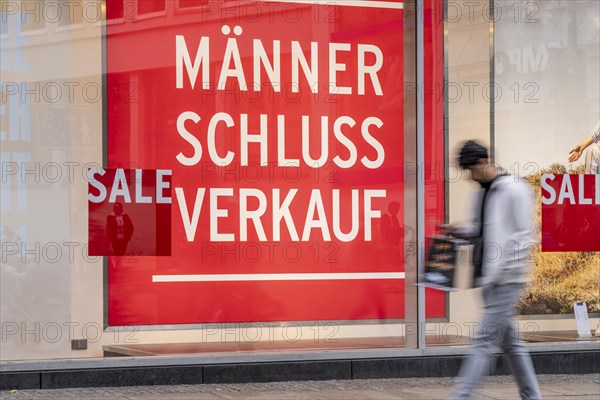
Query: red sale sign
{"x":129,"y":212}
{"x":570,"y":212}
{"x":281,"y":128}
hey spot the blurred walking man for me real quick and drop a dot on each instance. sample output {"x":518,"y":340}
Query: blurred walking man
{"x":502,"y":230}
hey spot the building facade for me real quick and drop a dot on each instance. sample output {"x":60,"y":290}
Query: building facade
{"x":240,"y":175}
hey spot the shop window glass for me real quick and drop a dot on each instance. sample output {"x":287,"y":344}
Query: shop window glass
{"x":116,"y":10}
{"x":3,"y":17}
{"x":32,"y":15}
{"x":547,"y":64}
{"x":192,"y":3}
{"x":71,"y":12}
{"x":150,"y":6}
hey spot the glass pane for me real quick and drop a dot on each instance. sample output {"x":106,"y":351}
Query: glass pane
{"x":546,"y":122}
{"x":300,"y":163}
{"x":192,"y":3}
{"x":4,"y":12}
{"x":71,"y":12}
{"x":150,"y":6}
{"x":320,"y":232}
{"x":32,"y":15}
{"x":467,"y":51}
{"x":116,"y":10}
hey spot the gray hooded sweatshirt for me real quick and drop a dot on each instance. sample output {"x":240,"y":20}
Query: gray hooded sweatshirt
{"x":509,"y":234}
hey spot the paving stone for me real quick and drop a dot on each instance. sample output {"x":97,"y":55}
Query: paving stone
{"x":270,"y":395}
{"x":176,"y":396}
{"x":554,"y":387}
{"x":429,"y":393}
{"x":509,"y":391}
{"x":565,"y":397}
{"x":354,"y":395}
{"x":574,"y":389}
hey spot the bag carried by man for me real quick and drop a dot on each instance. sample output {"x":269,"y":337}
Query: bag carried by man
{"x":440,"y":266}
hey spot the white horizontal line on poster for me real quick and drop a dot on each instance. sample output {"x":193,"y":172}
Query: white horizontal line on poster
{"x":351,"y":3}
{"x":277,"y":277}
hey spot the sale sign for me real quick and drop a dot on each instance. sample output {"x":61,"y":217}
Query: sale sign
{"x":570,"y":212}
{"x":280,"y":128}
{"x":129,"y":212}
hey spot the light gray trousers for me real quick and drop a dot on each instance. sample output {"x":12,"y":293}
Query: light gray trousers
{"x":497,"y":332}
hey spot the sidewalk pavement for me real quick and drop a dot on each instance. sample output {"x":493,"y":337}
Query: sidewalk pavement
{"x":580,"y":387}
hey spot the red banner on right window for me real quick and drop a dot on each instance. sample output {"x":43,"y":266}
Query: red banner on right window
{"x":570,"y":212}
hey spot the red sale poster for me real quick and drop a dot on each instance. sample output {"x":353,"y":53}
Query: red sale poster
{"x":570,"y":212}
{"x":281,"y":128}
